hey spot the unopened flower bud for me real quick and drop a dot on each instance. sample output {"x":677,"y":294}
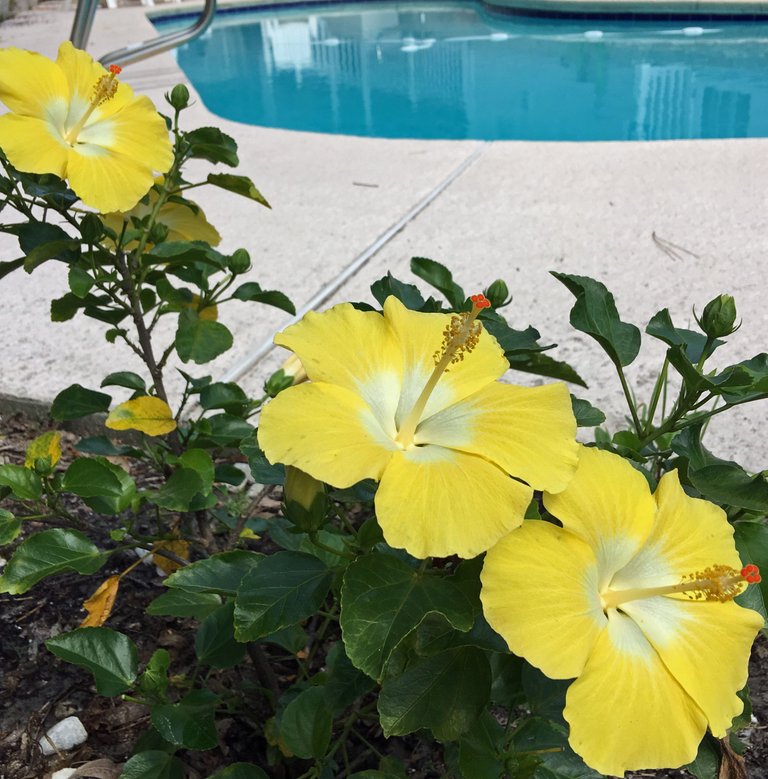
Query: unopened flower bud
{"x":719,"y":316}
{"x":305,"y":501}
{"x":289,"y":373}
{"x":240,"y":261}
{"x":179,"y":97}
{"x":498,"y":294}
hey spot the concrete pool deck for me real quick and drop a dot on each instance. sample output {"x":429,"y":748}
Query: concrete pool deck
{"x":509,"y":209}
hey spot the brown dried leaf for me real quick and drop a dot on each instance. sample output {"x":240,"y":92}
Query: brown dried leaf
{"x":731,"y":765}
{"x":179,"y":548}
{"x":99,"y":605}
{"x":99,"y":769}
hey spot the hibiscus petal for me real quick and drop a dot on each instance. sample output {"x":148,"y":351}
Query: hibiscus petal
{"x":705,"y":645}
{"x":626,"y":711}
{"x":438,"y":502}
{"x":136,"y":131}
{"x":420,"y":336}
{"x":30,"y":82}
{"x":540,"y":594}
{"x":327,"y":431}
{"x":609,"y":505}
{"x":353,"y":349}
{"x":528,"y":431}
{"x":31,"y":146}
{"x":105,"y":180}
{"x":668,"y":553}
{"x":82,"y":73}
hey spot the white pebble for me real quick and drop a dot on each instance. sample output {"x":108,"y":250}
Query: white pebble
{"x":66,"y":734}
{"x":593,"y":35}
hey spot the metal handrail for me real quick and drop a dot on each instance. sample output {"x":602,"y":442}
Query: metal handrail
{"x":86,"y":11}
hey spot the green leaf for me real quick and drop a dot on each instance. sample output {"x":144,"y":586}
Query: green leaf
{"x":154,"y":681}
{"x":240,"y":185}
{"x":77,"y":401}
{"x":481,"y":747}
{"x":126,"y":379}
{"x":345,"y":683}
{"x":23,"y":482}
{"x":190,"y":723}
{"x":306,"y":724}
{"x":47,"y":553}
{"x":89,"y":477}
{"x":80,"y":281}
{"x":226,"y":395}
{"x":445,"y":693}
{"x":223,"y":430}
{"x":177,"y":257}
{"x":210,"y":143}
{"x":10,"y":266}
{"x":251,"y":291}
{"x":110,"y":656}
{"x":101,"y":445}
{"x":10,"y":527}
{"x":65,"y":307}
{"x":543,"y":365}
{"x":201,"y":462}
{"x":383,"y":599}
{"x":179,"y":603}
{"x":586,"y":414}
{"x":114,"y":505}
{"x":215,"y":643}
{"x":707,"y":762}
{"x":563,"y":764}
{"x":440,"y":278}
{"x":752,"y":542}
{"x":153,"y":764}
{"x":692,"y":343}
{"x":240,"y":771}
{"x":546,"y":697}
{"x":407,"y":294}
{"x":722,"y":481}
{"x":595,"y":313}
{"x":220,"y":574}
{"x":262,"y":471}
{"x":200,"y":340}
{"x":52,"y":250}
{"x":179,"y":491}
{"x":279,"y":591}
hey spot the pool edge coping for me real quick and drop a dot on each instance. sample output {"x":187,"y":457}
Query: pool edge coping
{"x":735,"y":10}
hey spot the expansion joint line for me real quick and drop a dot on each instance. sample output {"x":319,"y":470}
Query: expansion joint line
{"x":238,"y":370}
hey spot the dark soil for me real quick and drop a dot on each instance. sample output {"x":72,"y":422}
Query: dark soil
{"x":37,"y":689}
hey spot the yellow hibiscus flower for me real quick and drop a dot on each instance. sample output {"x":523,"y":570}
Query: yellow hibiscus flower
{"x":412,"y":400}
{"x":184,"y":223}
{"x":74,"y":119}
{"x":634,"y":597}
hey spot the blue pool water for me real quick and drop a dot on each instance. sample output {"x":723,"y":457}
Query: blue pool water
{"x":455,"y":70}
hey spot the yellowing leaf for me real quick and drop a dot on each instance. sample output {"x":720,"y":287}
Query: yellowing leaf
{"x":45,"y":445}
{"x":179,"y":548}
{"x":149,"y":415}
{"x":209,"y":313}
{"x":99,"y":605}
{"x":247,"y":533}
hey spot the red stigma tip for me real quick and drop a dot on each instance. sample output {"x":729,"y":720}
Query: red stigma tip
{"x":115,"y":70}
{"x":751,"y":573}
{"x":480,"y":301}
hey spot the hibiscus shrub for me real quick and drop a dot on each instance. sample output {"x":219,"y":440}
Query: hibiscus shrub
{"x":448,"y":566}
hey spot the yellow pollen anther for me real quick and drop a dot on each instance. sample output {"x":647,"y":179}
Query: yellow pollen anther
{"x":716,"y":583}
{"x":104,"y":89}
{"x":460,"y":337}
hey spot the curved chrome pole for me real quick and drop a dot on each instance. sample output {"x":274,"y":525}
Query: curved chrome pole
{"x":140,"y":51}
{"x":83,"y":21}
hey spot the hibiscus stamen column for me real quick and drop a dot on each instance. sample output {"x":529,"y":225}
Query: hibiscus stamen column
{"x":459,"y":338}
{"x":719,"y":583}
{"x":104,"y":90}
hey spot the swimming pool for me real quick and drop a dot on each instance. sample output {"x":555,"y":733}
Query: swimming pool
{"x":455,"y":70}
